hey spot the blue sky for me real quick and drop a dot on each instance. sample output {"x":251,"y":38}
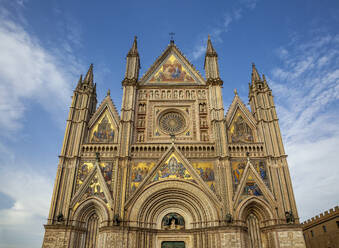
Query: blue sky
{"x":46,"y":45}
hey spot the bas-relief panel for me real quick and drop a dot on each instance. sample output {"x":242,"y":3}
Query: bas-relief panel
{"x":206,"y":172}
{"x":85,"y":169}
{"x":240,"y":131}
{"x":172,"y":169}
{"x":172,"y":71}
{"x":139,"y":171}
{"x":103,"y":131}
{"x":238,"y":167}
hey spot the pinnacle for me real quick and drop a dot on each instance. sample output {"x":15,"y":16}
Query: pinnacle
{"x":134,"y":49}
{"x":89,"y":76}
{"x":255,"y":74}
{"x":210,"y":49}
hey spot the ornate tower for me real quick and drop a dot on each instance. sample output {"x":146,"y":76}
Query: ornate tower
{"x":173,"y":170}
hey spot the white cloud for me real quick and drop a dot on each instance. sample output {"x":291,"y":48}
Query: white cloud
{"x":29,"y":74}
{"x":216,"y":32}
{"x":306,"y":88}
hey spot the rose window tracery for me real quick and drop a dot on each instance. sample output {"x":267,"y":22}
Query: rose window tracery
{"x":172,"y":122}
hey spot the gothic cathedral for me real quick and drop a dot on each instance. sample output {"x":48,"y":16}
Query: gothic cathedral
{"x":172,"y":170}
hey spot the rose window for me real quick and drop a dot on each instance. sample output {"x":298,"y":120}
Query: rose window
{"x":172,"y":122}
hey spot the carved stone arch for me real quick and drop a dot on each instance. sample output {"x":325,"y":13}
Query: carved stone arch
{"x":88,"y":207}
{"x":257,"y":206}
{"x":185,"y":197}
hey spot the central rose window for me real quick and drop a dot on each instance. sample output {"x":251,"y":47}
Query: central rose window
{"x":172,"y":122}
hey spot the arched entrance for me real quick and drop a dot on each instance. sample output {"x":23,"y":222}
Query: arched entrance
{"x":172,"y":208}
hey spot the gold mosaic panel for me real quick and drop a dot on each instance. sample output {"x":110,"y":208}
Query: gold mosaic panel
{"x":103,"y":131}
{"x":86,"y":167}
{"x":206,"y":172}
{"x":240,"y":131}
{"x":139,"y":171}
{"x":172,"y":71}
{"x":172,"y":169}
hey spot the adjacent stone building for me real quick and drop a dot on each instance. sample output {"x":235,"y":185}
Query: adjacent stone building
{"x":322,"y":231}
{"x":172,"y":170}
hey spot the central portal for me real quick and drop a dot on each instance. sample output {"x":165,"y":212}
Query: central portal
{"x":173,"y":244}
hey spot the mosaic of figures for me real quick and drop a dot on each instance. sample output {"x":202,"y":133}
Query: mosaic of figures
{"x":238,"y":167}
{"x":138,"y":172}
{"x":103,"y":131}
{"x":240,"y":131}
{"x":172,"y":71}
{"x":85,"y":169}
{"x":94,"y":189}
{"x":172,"y":94}
{"x":173,"y":221}
{"x":206,"y":172}
{"x":172,"y":169}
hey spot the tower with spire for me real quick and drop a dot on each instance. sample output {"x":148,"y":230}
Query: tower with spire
{"x":172,"y":169}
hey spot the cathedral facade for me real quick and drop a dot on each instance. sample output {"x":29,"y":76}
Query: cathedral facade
{"x":173,"y":170}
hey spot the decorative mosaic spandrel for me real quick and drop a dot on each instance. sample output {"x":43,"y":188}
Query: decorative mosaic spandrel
{"x":240,"y":131}
{"x":251,"y":187}
{"x":94,"y":189}
{"x":85,"y":169}
{"x":173,"y":168}
{"x":103,"y":131}
{"x":139,"y":171}
{"x":238,"y":167}
{"x":172,"y":71}
{"x":206,"y":172}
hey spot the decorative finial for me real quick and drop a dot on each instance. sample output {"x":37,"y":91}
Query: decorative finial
{"x":172,"y":138}
{"x":172,"y":37}
{"x":248,"y":156}
{"x":209,"y":37}
{"x":235,"y":92}
{"x":97,"y":156}
{"x":108,"y":92}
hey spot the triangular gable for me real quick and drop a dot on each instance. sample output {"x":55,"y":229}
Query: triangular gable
{"x":104,"y":124}
{"x":172,"y":67}
{"x":236,"y":104}
{"x":93,"y":186}
{"x":241,"y":124}
{"x":252,"y":184}
{"x":173,"y":166}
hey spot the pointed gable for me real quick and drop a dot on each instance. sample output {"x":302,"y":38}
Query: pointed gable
{"x":172,"y":67}
{"x":241,"y":124}
{"x":174,"y":166}
{"x":253,"y":182}
{"x":94,"y":183}
{"x":104,"y":124}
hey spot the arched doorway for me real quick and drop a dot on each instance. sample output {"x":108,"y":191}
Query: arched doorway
{"x":254,"y":233}
{"x":92,"y":228}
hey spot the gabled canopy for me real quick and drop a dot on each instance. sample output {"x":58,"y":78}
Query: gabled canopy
{"x":172,"y":67}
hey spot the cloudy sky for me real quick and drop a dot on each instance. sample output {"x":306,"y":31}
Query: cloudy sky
{"x":46,"y":45}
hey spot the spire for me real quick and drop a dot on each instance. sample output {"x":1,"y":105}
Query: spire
{"x":80,"y":81}
{"x":255,"y":74}
{"x":134,"y":50}
{"x":210,"y":49}
{"x":89,"y":76}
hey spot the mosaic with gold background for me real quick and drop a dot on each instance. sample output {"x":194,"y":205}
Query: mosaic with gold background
{"x":238,"y":167}
{"x":139,"y":171}
{"x":240,"y":131}
{"x":172,"y":71}
{"x":94,"y":189}
{"x":172,"y":169}
{"x":85,"y":169}
{"x":103,"y":131}
{"x":206,"y":172}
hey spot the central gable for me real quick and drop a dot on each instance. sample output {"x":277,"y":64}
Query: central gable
{"x":172,"y":67}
